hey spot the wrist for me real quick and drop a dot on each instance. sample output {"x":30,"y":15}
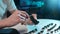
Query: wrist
{"x":10,"y":22}
{"x":7,"y":22}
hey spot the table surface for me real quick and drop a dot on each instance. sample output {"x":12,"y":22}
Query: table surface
{"x":42,"y":23}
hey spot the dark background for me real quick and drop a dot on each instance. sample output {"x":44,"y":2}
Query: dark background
{"x":43,"y":12}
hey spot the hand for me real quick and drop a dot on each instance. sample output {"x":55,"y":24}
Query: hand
{"x":28,"y":21}
{"x":17,"y":17}
{"x":35,"y":16}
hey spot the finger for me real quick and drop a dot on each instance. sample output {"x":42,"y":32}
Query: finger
{"x":22,"y":14}
{"x":21,"y":17}
{"x":26,"y":14}
{"x":35,"y":16}
{"x":28,"y":21}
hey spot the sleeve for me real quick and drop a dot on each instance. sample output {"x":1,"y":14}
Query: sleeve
{"x":11,"y":5}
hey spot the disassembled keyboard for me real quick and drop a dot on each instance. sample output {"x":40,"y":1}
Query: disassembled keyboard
{"x":46,"y":28}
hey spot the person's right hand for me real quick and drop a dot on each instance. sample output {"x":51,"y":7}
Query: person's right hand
{"x":17,"y":17}
{"x":29,"y":22}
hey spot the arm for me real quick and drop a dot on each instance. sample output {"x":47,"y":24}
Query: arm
{"x":3,"y":23}
{"x":12,"y":20}
{"x":6,"y":23}
{"x":11,"y":7}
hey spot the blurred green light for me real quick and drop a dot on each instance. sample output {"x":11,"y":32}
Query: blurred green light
{"x":39,"y":3}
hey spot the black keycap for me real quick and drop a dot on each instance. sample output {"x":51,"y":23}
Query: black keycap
{"x":43,"y":28}
{"x":35,"y":29}
{"x":48,"y":25}
{"x":38,"y":32}
{"x":57,"y":29}
{"x":41,"y":31}
{"x":47,"y":33}
{"x":51,"y":32}
{"x":52,"y":28}
{"x":51,"y":24}
{"x":26,"y":33}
